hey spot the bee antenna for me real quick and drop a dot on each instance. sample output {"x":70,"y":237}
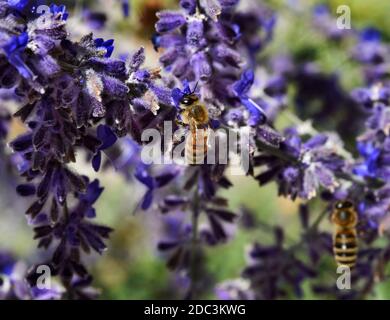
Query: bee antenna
{"x":196,"y":85}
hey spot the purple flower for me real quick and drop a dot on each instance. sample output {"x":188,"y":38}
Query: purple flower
{"x":59,"y":11}
{"x":13,"y":284}
{"x":370,"y":155}
{"x":372,"y":53}
{"x":307,"y":166}
{"x":272,"y":270}
{"x":373,"y":143}
{"x":107,"y":138}
{"x":125,"y":8}
{"x":76,"y":97}
{"x":178,"y":94}
{"x":17,"y":4}
{"x":152,"y":183}
{"x":370,"y":49}
{"x":370,"y":97}
{"x":75,"y":230}
{"x":241,"y":88}
{"x":205,"y":47}
{"x":54,"y":293}
{"x":14,"y":51}
{"x":175,"y":243}
{"x":105,"y":46}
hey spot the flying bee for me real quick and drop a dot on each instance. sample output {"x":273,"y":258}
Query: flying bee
{"x":195,"y":115}
{"x":345,"y":244}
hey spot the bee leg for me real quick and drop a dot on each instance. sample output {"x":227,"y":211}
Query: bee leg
{"x":179,"y":122}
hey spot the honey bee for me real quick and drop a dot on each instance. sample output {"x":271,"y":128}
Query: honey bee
{"x":345,"y":244}
{"x":196,"y":116}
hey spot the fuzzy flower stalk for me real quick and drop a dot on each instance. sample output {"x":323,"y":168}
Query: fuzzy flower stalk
{"x":73,"y":96}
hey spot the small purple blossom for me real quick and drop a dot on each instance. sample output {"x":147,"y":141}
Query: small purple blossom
{"x":17,"y":4}
{"x":106,"y":46}
{"x":14,"y":49}
{"x":107,"y":138}
{"x":152,"y":183}
{"x":241,"y":88}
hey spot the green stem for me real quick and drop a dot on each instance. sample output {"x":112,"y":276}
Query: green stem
{"x":311,"y":229}
{"x":351,"y":178}
{"x":194,"y":244}
{"x":317,"y":222}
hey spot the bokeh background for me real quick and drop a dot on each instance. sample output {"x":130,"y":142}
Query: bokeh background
{"x":132,"y":268}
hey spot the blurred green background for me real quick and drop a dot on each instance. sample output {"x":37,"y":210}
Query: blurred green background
{"x":131,"y":268}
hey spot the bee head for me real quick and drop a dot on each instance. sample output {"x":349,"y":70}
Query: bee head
{"x":346,"y":204}
{"x":344,"y":214}
{"x":189,"y":99}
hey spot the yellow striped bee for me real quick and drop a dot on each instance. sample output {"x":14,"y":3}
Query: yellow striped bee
{"x":345,"y":244}
{"x":196,"y":116}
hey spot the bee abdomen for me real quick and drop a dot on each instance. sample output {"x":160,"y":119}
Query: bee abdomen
{"x":345,"y":248}
{"x":196,"y":146}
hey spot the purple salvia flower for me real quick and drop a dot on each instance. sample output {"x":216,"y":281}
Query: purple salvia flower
{"x":14,"y":50}
{"x":241,"y":89}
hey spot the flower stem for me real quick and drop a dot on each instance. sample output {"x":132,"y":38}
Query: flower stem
{"x":317,"y":222}
{"x":277,"y":153}
{"x":193,"y":272}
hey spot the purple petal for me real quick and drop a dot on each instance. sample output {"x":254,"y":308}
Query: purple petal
{"x":226,"y":55}
{"x":106,"y":136}
{"x":125,"y":8}
{"x":177,"y":96}
{"x":370,"y":34}
{"x":96,"y":161}
{"x":242,"y":86}
{"x":169,"y":20}
{"x":201,"y":66}
{"x":147,"y":200}
{"x":163,"y":95}
{"x":114,"y":88}
{"x":316,"y":141}
{"x":142,"y":175}
{"x":212,"y":8}
{"x":137,"y":59}
{"x":164,"y":179}
{"x":270,"y":136}
{"x":228,"y":3}
{"x":25,"y":190}
{"x":195,"y":33}
{"x":171,"y":40}
{"x":188,"y":5}
{"x":256,"y":113}
{"x":17,"y":4}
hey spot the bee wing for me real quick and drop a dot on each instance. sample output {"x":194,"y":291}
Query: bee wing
{"x":180,"y":133}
